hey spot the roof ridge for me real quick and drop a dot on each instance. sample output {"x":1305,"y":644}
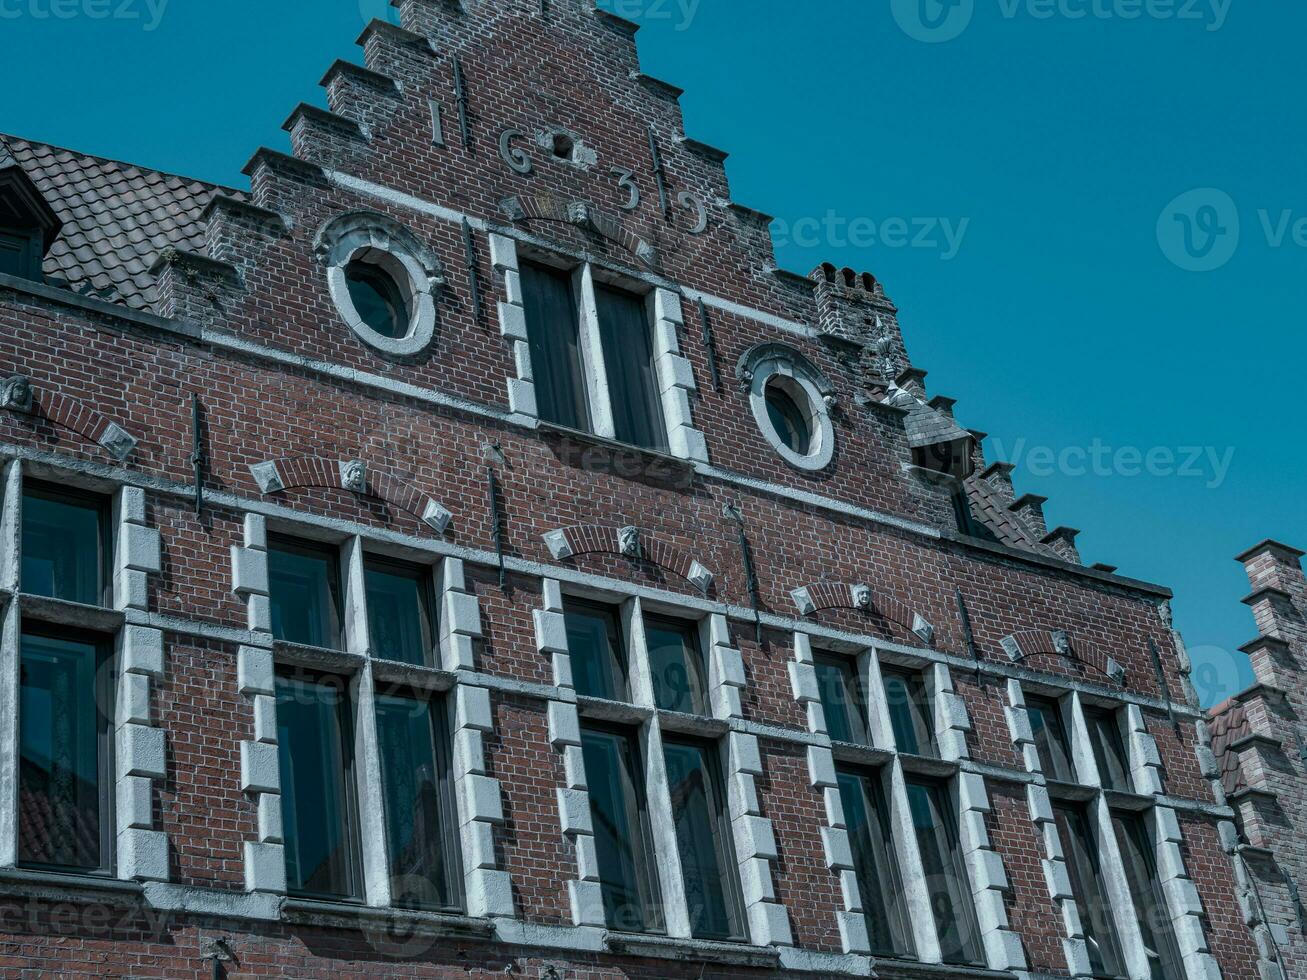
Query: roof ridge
{"x":6,"y":137}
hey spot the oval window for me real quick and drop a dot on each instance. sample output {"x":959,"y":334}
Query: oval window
{"x":377,"y":298}
{"x":789,"y":421}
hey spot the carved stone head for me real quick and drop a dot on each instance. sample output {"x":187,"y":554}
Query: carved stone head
{"x":628,"y":539}
{"x":862,"y":597}
{"x":16,"y":394}
{"x":354,"y":476}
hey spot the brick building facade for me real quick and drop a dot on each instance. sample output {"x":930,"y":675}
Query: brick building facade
{"x":465,"y":552}
{"x":1261,"y":745}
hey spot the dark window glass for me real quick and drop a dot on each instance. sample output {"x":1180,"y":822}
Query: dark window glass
{"x":305,"y":587}
{"x":400,"y":623}
{"x":313,"y":744}
{"x":703,"y":840}
{"x":1086,"y":874}
{"x":789,"y":421}
{"x":627,"y":338}
{"x":1050,"y":739}
{"x":909,"y":712}
{"x":594,"y":641}
{"x":553,"y":334}
{"x":64,"y":758}
{"x":1109,"y":749}
{"x":420,"y":818}
{"x":1155,"y":925}
{"x":946,"y":877}
{"x":377,"y":298}
{"x":888,"y":922}
{"x":841,"y":698}
{"x":18,"y":255}
{"x":63,"y":545}
{"x":622,"y":842}
{"x":676,"y":660}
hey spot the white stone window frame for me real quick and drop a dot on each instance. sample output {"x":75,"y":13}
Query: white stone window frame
{"x":486,"y":890}
{"x":139,"y":751}
{"x":765,"y":920}
{"x":400,"y":254}
{"x":986,"y":876}
{"x":1183,"y":904}
{"x":812,"y":394}
{"x":674,"y":374}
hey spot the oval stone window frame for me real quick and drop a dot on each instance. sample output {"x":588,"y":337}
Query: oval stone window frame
{"x":381,"y":241}
{"x":810,"y":390}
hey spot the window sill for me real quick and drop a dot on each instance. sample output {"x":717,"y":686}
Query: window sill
{"x":316,"y":658}
{"x":926,"y":765}
{"x":622,"y":712}
{"x":74,"y":614}
{"x":913,"y":970}
{"x":1074,"y":792}
{"x":404,"y":922}
{"x":410,"y":675}
{"x":701,"y":726}
{"x":693,"y":950}
{"x":619,"y":454}
{"x":1134,"y":802}
{"x":61,"y":886}
{"x":858,"y":754}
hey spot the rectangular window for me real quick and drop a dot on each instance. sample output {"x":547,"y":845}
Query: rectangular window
{"x":909,"y":712}
{"x":879,"y":883}
{"x":1151,"y":910}
{"x":421,"y":823}
{"x":676,"y":662}
{"x":1050,"y":739}
{"x":554,"y":339}
{"x":945,"y":872}
{"x":627,"y":337}
{"x":1086,"y":874}
{"x":623,"y":845}
{"x":65,"y":769}
{"x":304,"y":582}
{"x":314,"y":745}
{"x":401,"y":600}
{"x":1109,"y":749}
{"x":594,"y":641}
{"x":65,"y":548}
{"x":703,"y":839}
{"x":841,"y":698}
{"x":19,"y":256}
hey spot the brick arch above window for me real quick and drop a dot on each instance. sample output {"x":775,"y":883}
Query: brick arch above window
{"x":628,"y":542}
{"x":812,"y":599}
{"x":580,"y":214}
{"x":1029,"y":644}
{"x":298,"y":472}
{"x":18,"y":395}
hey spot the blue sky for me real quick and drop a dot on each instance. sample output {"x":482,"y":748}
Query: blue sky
{"x":1017,"y":173}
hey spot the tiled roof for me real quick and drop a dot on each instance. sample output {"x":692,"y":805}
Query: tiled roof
{"x":117,"y":217}
{"x":992,"y":512}
{"x":1229,"y":723}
